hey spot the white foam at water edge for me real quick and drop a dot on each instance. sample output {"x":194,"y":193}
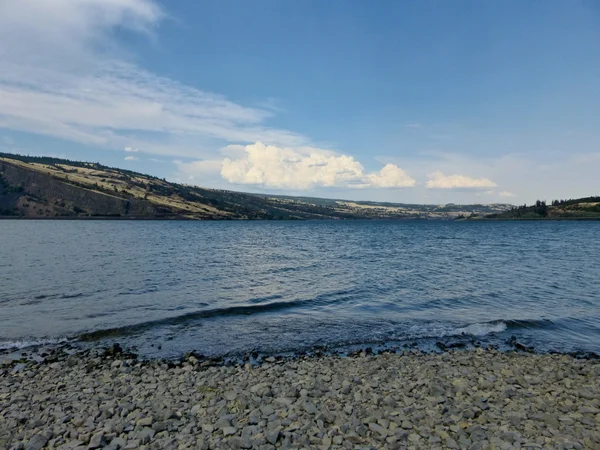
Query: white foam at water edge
{"x":481,"y":329}
{"x":18,"y":345}
{"x":445,"y":330}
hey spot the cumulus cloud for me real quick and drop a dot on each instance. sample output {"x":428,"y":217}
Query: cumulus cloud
{"x":131,"y":149}
{"x":130,"y":158}
{"x":438,"y":180}
{"x":391,"y":176}
{"x":506,"y":194}
{"x":306,"y":168}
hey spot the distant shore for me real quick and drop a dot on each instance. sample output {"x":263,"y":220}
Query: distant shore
{"x":456,"y":399}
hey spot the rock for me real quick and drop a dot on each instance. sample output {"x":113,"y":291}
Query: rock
{"x":133,"y":443}
{"x":222,"y":423}
{"x":119,"y":442}
{"x":229,"y":430}
{"x":376,"y":428}
{"x":273,"y":436}
{"x":144,"y":422}
{"x":267,"y":410}
{"x":145,"y":435}
{"x":97,"y":440}
{"x":436,"y":390}
{"x":451,"y":443}
{"x":37,"y":442}
{"x":551,"y":421}
{"x":407,"y":425}
{"x":310,"y":408}
{"x":584,"y":393}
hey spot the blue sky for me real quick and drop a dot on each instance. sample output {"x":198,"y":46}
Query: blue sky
{"x":413,"y":101}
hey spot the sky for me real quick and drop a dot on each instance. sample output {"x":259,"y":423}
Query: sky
{"x":414,"y":101}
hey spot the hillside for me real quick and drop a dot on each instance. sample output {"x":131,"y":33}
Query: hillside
{"x":577,"y":209}
{"x":44,"y":187}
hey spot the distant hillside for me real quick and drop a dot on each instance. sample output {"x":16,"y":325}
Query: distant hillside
{"x":44,"y":187}
{"x":582,"y":208}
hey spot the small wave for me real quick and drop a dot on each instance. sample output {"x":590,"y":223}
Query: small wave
{"x":189,"y":317}
{"x":323,"y":300}
{"x":482,"y":329}
{"x":19,"y":345}
{"x":441,"y":330}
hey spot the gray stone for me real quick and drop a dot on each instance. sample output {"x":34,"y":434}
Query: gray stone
{"x":310,"y":408}
{"x":229,"y":430}
{"x":98,"y":440}
{"x":37,"y":442}
{"x":145,"y":435}
{"x":119,"y":442}
{"x":273,"y":436}
{"x":144,"y":422}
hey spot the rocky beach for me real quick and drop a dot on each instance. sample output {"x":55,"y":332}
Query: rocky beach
{"x":476,"y":399}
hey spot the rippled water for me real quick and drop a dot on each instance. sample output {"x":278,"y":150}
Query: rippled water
{"x":228,"y":288}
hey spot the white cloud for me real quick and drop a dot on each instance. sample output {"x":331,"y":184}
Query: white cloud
{"x":130,"y":158}
{"x":131,"y":149}
{"x":306,"y":168}
{"x":68,"y":78}
{"x":69,"y":34}
{"x":506,"y":194}
{"x":438,"y":180}
{"x":391,"y":176}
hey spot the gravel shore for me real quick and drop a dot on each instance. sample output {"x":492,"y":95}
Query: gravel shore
{"x":475,"y":399}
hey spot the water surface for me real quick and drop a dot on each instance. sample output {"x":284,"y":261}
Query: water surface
{"x":229,"y":288}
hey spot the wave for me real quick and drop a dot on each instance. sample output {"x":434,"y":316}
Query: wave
{"x":414,"y":331}
{"x":238,"y":310}
{"x":440,"y":330}
{"x":498,"y":326}
{"x":18,"y":345}
{"x":483,"y":329}
{"x":184,"y":318}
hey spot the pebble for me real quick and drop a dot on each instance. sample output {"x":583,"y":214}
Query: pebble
{"x":459,"y":399}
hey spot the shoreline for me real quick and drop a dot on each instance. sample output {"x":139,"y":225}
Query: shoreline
{"x":455,"y":399}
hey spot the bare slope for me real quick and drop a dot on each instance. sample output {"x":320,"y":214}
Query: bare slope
{"x":41,"y":187}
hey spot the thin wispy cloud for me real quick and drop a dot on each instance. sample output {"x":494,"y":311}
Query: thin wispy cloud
{"x":67,"y":78}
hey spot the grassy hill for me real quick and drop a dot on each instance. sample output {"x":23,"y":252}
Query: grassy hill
{"x":580,"y":209}
{"x":44,"y":187}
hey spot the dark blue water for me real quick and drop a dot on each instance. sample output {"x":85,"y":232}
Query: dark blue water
{"x":228,"y":288}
